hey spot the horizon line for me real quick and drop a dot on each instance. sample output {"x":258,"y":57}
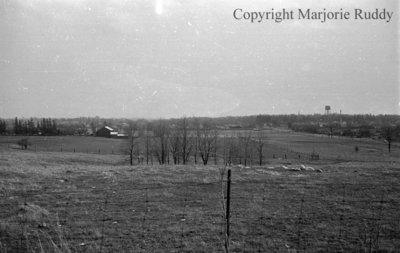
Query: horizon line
{"x":194,"y":116}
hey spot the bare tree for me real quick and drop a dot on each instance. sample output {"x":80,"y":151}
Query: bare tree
{"x":196,"y":124}
{"x":231,"y":150}
{"x":147,"y":146}
{"x":388,"y":133}
{"x":259,"y":143}
{"x":174,"y":144}
{"x":224,"y":150}
{"x":206,"y":136}
{"x":245,"y":143}
{"x":132,"y":144}
{"x":196,"y":149}
{"x":131,"y":148}
{"x":186,"y":145}
{"x":24,"y":143}
{"x":160,"y":144}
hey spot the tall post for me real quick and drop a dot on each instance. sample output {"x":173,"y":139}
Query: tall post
{"x":228,"y":207}
{"x":224,"y":154}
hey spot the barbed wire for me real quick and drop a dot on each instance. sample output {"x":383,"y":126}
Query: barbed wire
{"x":261,"y":209}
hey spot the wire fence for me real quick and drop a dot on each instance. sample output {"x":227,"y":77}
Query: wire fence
{"x":104,"y":214}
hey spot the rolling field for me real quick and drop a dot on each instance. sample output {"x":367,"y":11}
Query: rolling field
{"x":81,"y":144}
{"x":332,"y":149}
{"x":87,"y":202}
{"x":277,"y":144}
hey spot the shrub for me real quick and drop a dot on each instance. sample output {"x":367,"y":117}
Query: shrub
{"x":24,"y":143}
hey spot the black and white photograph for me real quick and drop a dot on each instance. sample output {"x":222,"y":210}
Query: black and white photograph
{"x":199,"y":126}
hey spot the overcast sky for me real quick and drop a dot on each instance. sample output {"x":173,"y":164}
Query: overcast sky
{"x":168,"y":58}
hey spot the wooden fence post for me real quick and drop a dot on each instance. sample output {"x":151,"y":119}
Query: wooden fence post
{"x":228,"y":207}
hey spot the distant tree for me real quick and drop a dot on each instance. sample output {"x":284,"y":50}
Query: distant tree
{"x":259,"y":143}
{"x":245,"y":143}
{"x":196,"y":125}
{"x":260,"y":121}
{"x":132,"y":143}
{"x":186,"y":144}
{"x":174,"y":144}
{"x":225,"y":150}
{"x":38,"y":127}
{"x":388,"y":133}
{"x":24,"y":143}
{"x":31,"y":127}
{"x":17,"y":126}
{"x":47,"y":126}
{"x":53,"y":127}
{"x":160,"y":141}
{"x":148,"y":146}
{"x":232,"y":150}
{"x":3,"y":126}
{"x":93,"y":127}
{"x":25,"y":128}
{"x":206,"y":136}
{"x":131,"y":148}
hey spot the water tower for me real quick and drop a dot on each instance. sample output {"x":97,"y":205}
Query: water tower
{"x":327,"y":109}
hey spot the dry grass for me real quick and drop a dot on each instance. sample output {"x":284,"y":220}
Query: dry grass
{"x":79,"y":144}
{"x":76,"y":202}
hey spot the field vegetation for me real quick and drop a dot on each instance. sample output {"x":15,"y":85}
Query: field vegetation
{"x":55,"y":199}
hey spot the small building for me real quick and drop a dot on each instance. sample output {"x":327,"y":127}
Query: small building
{"x":122,"y":136}
{"x":106,"y":131}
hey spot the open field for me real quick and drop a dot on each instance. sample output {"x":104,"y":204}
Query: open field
{"x":282,"y":141}
{"x":81,"y":144}
{"x":79,"y":202}
{"x":278,"y":144}
{"x":331,"y":149}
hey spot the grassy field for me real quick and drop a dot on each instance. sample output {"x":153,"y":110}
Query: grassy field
{"x":79,"y":144}
{"x":87,"y":202}
{"x":331,"y":149}
{"x":278,"y":144}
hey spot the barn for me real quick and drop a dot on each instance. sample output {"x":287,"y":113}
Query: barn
{"x":106,"y":131}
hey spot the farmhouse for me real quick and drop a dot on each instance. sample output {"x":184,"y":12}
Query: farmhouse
{"x":106,"y":131}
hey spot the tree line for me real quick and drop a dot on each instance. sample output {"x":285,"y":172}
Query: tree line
{"x":191,"y":140}
{"x":45,"y":126}
{"x":341,"y":124}
{"x":178,"y":135}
